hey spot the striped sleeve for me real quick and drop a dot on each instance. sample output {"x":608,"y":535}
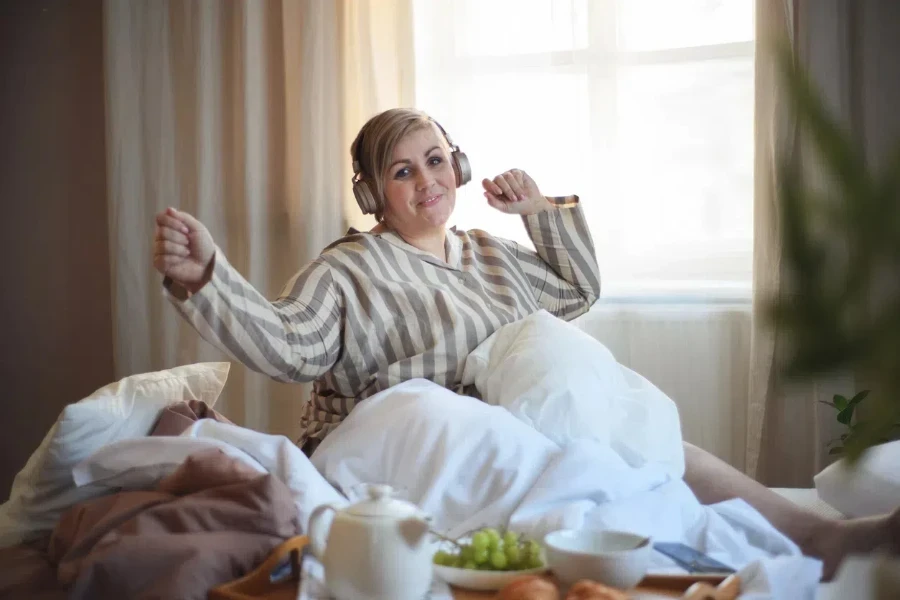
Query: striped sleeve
{"x":563,"y":272}
{"x":296,"y":338}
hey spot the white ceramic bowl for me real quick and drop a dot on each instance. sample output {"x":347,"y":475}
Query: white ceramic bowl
{"x":614,"y":558}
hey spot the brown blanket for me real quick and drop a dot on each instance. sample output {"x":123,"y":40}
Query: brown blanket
{"x":25,"y":572}
{"x":175,"y":418}
{"x":211,"y":521}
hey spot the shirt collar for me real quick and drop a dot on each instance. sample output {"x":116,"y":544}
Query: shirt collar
{"x":452,"y":245}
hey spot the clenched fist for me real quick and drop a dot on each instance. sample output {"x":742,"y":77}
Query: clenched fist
{"x":183,"y":249}
{"x":515,"y":192}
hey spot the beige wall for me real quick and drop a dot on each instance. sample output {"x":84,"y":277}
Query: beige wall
{"x":55,"y":313}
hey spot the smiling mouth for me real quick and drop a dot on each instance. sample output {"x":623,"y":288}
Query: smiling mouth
{"x":430,"y":200}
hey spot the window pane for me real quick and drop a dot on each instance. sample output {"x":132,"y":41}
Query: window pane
{"x":533,"y":121}
{"x":662,"y":24}
{"x":660,"y":153}
{"x":509,"y":27}
{"x":684,"y":170}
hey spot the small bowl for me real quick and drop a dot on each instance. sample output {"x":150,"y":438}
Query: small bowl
{"x":614,"y":558}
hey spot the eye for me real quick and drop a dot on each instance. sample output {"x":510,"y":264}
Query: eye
{"x":401,"y":173}
{"x":435,"y":160}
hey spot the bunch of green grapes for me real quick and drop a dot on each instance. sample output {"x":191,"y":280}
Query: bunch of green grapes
{"x":488,"y":550}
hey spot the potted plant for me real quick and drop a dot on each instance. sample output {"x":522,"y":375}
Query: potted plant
{"x":848,"y":416}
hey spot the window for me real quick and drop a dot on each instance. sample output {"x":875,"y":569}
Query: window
{"x":642,"y":107}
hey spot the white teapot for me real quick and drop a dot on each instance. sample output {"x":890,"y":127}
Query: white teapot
{"x":377,"y":549}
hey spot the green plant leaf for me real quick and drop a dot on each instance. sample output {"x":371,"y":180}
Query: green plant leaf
{"x":840,"y":402}
{"x":859,"y":398}
{"x":845,"y":416}
{"x":836,"y":450}
{"x":831,"y":404}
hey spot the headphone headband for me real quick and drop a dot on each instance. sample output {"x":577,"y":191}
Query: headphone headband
{"x":357,"y":166}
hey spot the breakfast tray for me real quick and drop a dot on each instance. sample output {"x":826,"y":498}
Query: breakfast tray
{"x":258,"y":585}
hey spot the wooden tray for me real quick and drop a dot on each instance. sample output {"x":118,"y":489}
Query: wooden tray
{"x":654,"y":587}
{"x":256,"y":585}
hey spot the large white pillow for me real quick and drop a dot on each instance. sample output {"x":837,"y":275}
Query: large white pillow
{"x":569,"y":387}
{"x":126,"y":409}
{"x":871,"y":487}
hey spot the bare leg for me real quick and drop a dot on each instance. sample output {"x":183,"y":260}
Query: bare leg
{"x":713,"y":480}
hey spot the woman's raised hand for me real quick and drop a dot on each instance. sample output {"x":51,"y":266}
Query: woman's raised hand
{"x":183,"y":249}
{"x":515,"y":192}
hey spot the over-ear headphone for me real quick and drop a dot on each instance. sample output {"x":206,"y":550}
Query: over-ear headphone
{"x":370,"y":202}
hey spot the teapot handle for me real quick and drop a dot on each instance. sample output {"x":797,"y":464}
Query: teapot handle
{"x":316,"y":536}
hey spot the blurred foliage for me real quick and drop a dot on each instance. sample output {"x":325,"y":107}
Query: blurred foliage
{"x":839,"y":307}
{"x":848,"y":416}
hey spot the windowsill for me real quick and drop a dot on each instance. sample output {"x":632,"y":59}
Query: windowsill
{"x":678,"y":293}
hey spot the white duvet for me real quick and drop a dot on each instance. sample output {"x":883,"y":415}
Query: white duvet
{"x":569,"y":387}
{"x":565,"y":438}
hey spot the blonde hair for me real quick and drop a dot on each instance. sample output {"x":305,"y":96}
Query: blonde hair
{"x":374,"y":145}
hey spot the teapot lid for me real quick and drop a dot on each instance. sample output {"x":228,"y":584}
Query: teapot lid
{"x":381,"y":503}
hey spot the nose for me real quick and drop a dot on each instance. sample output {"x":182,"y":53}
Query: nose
{"x":424,"y":180}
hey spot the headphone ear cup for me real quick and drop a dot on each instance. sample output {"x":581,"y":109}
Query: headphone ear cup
{"x":365,"y":198}
{"x":462,"y":168}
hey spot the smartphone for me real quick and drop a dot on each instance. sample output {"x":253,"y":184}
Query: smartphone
{"x":691,"y":560}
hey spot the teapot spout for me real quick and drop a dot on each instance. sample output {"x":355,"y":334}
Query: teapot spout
{"x":413,"y":530}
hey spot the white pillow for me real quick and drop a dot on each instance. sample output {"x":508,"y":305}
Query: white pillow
{"x":139,"y":464}
{"x":126,"y":409}
{"x":568,"y":386}
{"x":871,"y":487}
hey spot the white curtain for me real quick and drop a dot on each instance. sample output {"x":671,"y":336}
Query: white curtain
{"x":242,"y":114}
{"x":379,"y":73}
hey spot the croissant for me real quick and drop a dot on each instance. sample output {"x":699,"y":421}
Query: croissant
{"x":591,"y":590}
{"x":529,"y":587}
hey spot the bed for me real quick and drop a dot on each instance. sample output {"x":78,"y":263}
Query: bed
{"x":465,"y":462}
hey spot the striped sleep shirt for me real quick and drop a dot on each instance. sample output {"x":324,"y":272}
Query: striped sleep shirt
{"x":372,"y":311}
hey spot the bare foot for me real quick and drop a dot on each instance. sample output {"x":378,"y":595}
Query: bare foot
{"x":836,"y":539}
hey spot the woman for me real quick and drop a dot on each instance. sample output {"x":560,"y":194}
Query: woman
{"x":408,"y":298}
{"x":411,"y":298}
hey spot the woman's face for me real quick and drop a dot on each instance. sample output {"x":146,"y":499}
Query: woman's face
{"x":420,"y":184}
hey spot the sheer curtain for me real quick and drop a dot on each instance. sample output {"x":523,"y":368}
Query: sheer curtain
{"x":645,"y":109}
{"x":240,"y":113}
{"x":788,"y":427}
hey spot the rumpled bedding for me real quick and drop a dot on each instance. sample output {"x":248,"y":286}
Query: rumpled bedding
{"x":210,"y":521}
{"x":507,"y":461}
